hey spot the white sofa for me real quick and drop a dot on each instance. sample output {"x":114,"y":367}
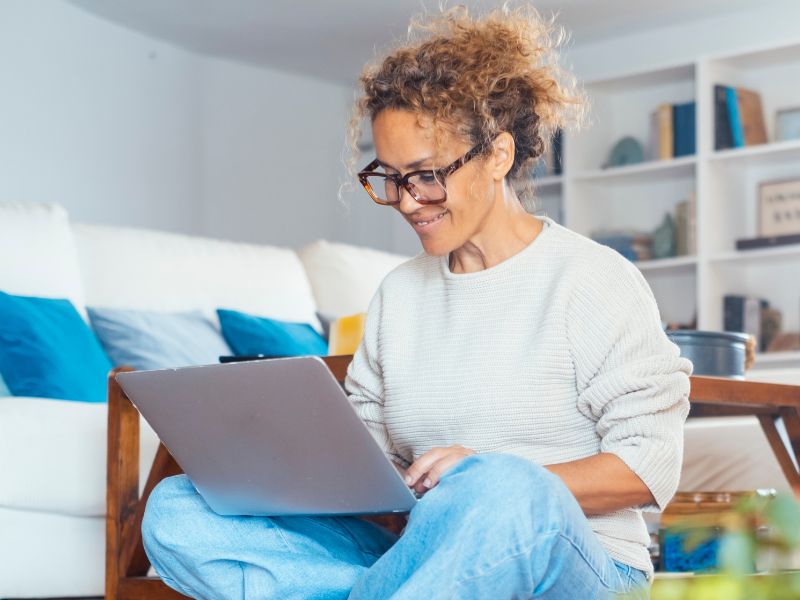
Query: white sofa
{"x":52,"y":452}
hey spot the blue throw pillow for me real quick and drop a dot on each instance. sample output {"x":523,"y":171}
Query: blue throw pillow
{"x":251,"y":335}
{"x":148,"y":339}
{"x":47,"y":350}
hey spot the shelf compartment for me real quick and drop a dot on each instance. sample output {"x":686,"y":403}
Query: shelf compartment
{"x":667,"y":264}
{"x":674,"y":167}
{"x":790,"y":250}
{"x":548,"y":183}
{"x":773,"y":358}
{"x":760,"y":154}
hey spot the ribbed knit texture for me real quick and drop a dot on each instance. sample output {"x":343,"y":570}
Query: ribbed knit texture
{"x":555,"y":354}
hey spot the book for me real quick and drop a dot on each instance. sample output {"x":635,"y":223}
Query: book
{"x":767,"y":242}
{"x":737,"y":131}
{"x":556,"y":151}
{"x":691,"y":228}
{"x":743,"y":314}
{"x":661,"y":141}
{"x":746,"y":117}
{"x":723,"y":138}
{"x":685,"y":233}
{"x":752,"y":117}
{"x":683,"y":129}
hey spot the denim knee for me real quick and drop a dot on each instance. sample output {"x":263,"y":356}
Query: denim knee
{"x":481,"y":483}
{"x":503,"y":472}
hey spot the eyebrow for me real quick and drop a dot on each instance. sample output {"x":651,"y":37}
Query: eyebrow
{"x":410,"y":166}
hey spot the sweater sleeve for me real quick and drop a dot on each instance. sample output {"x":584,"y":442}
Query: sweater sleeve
{"x":631,"y":380}
{"x":364,"y":381}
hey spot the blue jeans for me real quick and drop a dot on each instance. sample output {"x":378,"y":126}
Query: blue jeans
{"x":496,"y":527}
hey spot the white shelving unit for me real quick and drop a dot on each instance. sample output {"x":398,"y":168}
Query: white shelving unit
{"x":588,"y":197}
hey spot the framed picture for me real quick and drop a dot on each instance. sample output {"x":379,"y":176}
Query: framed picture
{"x":779,"y":207}
{"x":787,"y":124}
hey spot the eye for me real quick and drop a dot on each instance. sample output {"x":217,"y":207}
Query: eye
{"x":428,"y":178}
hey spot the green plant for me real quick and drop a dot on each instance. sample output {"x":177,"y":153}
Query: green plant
{"x":762,"y":531}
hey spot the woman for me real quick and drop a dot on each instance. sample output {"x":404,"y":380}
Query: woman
{"x":515,"y":372}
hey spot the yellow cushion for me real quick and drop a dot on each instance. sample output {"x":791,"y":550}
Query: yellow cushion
{"x":346,"y":333}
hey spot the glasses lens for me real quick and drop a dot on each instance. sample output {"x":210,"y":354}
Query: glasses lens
{"x":429,"y":186}
{"x":384,"y":188}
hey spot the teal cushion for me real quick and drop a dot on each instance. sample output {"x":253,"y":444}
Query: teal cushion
{"x":3,"y":388}
{"x":47,"y":350}
{"x":148,"y":339}
{"x":250,"y":335}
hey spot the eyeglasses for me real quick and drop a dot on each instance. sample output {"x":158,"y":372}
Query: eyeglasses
{"x":425,"y":186}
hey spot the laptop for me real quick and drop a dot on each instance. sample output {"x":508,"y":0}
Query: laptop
{"x":271,"y":437}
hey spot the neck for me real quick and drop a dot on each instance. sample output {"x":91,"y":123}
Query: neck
{"x":502,"y":235}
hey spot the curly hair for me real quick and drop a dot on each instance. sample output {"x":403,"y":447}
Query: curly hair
{"x":478,"y":76}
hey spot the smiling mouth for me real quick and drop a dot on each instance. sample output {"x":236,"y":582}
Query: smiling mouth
{"x":434,"y":220}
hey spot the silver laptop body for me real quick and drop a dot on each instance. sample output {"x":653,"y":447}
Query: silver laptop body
{"x":269,"y":437}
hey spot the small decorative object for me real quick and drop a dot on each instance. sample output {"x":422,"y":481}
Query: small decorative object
{"x":664,"y":238}
{"x":787,"y":124}
{"x":632,"y":244}
{"x":785,"y":342}
{"x":771,"y":320}
{"x":779,"y":207}
{"x":627,"y":151}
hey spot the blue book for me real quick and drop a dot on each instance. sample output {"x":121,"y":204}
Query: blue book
{"x":683,"y":129}
{"x":735,"y":118}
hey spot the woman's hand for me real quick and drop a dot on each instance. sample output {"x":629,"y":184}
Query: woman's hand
{"x":425,"y":472}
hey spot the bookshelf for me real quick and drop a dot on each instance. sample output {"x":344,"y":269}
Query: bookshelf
{"x":587,"y":197}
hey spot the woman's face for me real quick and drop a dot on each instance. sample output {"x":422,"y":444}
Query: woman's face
{"x":404,"y":144}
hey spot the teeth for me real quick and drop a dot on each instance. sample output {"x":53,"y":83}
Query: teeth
{"x":432,"y":220}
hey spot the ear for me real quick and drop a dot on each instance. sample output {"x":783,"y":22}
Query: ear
{"x":502,"y":157}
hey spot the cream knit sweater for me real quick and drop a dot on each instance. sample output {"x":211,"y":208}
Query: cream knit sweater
{"x":555,"y":354}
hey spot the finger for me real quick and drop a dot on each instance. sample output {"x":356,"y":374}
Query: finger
{"x":434,"y":474}
{"x":420,"y":466}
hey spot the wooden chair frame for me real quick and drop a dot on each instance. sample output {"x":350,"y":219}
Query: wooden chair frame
{"x":126,"y":561}
{"x":127,"y":564}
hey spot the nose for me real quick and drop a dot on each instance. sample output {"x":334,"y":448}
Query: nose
{"x":407,"y":203}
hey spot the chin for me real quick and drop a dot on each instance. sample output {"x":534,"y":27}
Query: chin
{"x":436,"y":247}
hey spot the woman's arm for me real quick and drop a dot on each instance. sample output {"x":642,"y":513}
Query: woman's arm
{"x":633,"y":383}
{"x":363,"y":382}
{"x":603,"y":483}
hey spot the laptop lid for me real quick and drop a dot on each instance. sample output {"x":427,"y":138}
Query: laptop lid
{"x":269,"y":437}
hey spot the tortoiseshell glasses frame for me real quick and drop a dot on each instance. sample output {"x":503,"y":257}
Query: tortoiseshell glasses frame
{"x":426,"y":186}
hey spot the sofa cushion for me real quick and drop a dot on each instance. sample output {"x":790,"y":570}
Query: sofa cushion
{"x":250,"y":335}
{"x":48,"y":350}
{"x":53,"y":455}
{"x":149,"y":339}
{"x":125,"y":267}
{"x":3,"y":387}
{"x":345,"y":277}
{"x":37,"y":253}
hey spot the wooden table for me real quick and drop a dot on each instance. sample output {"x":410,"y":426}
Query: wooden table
{"x":774,"y":404}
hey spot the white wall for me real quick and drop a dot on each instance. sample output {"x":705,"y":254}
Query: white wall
{"x":95,"y":117}
{"x":653,"y":47}
{"x":124,"y":129}
{"x":272,"y":160}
